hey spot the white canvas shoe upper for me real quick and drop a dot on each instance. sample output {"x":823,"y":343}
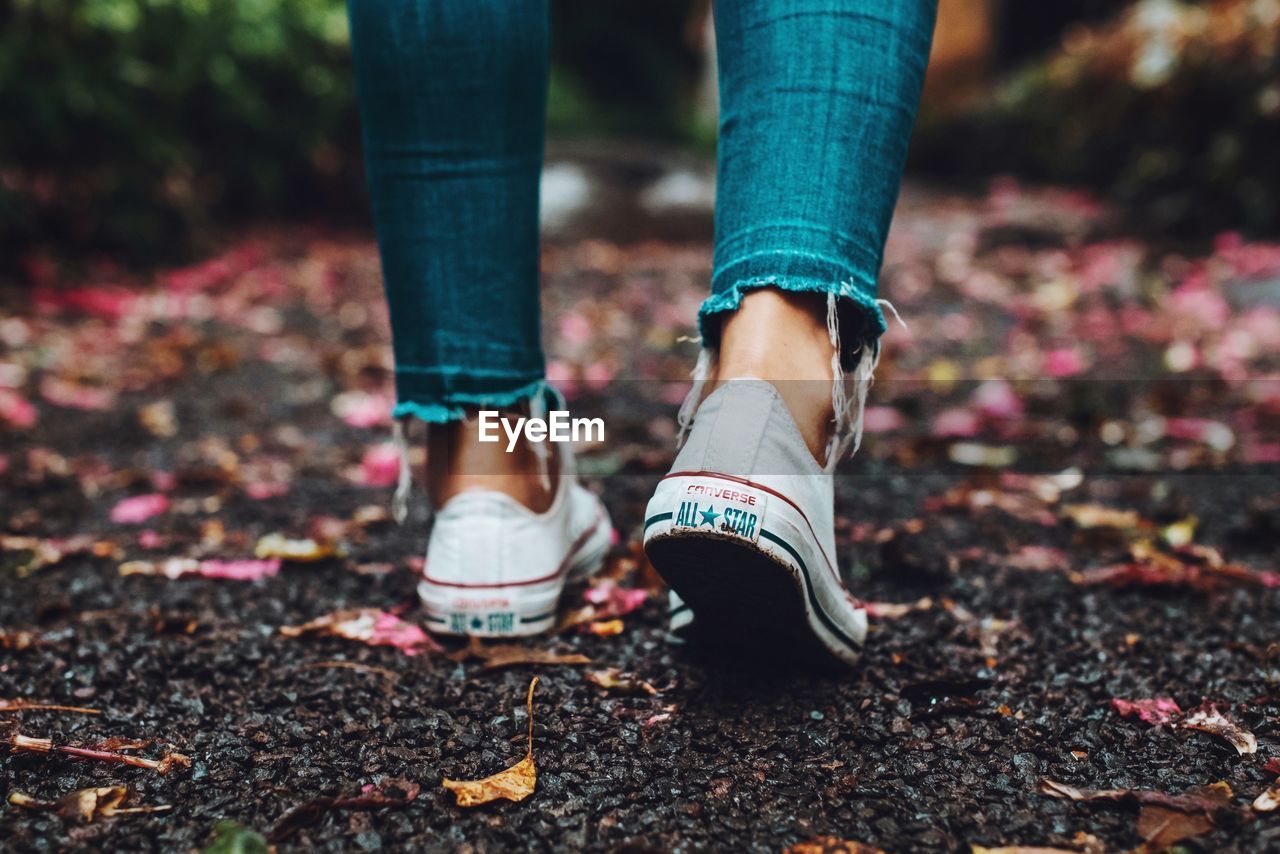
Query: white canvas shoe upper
{"x":746,"y":475}
{"x":494,"y":567}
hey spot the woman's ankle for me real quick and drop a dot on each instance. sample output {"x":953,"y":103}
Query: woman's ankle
{"x":782,"y":337}
{"x":457,"y":462}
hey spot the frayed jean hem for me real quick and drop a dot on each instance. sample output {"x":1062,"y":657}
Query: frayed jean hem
{"x":862,"y":321}
{"x":457,"y":406}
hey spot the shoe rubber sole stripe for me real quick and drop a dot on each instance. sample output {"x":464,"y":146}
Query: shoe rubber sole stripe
{"x":808,"y":589}
{"x":804,"y":571}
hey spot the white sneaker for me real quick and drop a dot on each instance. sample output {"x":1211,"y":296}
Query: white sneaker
{"x":495,"y":568}
{"x":743,"y":529}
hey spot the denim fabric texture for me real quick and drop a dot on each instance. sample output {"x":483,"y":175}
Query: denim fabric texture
{"x":817,"y":99}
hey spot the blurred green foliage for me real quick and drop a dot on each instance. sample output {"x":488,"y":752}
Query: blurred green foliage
{"x":135,"y":128}
{"x":129,"y":126}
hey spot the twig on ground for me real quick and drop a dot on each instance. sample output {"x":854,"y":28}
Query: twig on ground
{"x":19,"y":742}
{"x":21,"y":705}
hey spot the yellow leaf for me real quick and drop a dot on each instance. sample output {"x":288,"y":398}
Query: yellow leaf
{"x":514,"y":784}
{"x":300,"y":551}
{"x":1098,"y":516}
{"x":605,"y":628}
{"x":1180,"y":533}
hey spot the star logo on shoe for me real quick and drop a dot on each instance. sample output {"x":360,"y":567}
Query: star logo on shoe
{"x":709,"y":516}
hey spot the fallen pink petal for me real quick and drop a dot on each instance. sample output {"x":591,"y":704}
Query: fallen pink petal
{"x":139,"y":508}
{"x":1156,"y":711}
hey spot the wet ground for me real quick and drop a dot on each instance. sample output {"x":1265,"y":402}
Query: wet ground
{"x":1067,"y":498}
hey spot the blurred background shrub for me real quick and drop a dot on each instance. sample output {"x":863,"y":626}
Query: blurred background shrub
{"x":1170,"y":109}
{"x":139,"y":129}
{"x":132,"y":126}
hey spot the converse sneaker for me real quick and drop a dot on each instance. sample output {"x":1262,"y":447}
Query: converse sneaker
{"x":495,"y":568}
{"x":742,"y":528}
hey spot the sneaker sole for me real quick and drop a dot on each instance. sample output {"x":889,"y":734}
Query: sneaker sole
{"x":518,"y":609}
{"x":747,"y":581}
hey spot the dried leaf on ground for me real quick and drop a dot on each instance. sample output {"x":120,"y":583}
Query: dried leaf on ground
{"x":832,"y":845}
{"x":513,"y":655}
{"x":514,"y":784}
{"x":232,"y":837}
{"x":1161,"y":828}
{"x":1193,"y":566}
{"x":614,"y":679}
{"x":369,"y":799}
{"x":177,"y":567}
{"x":1085,"y":843}
{"x":1208,"y":799}
{"x":17,"y":641}
{"x":45,"y":553}
{"x":1268,"y":801}
{"x":1207,"y":718}
{"x":368,"y":626}
{"x":1155,"y":711}
{"x":87,"y":804}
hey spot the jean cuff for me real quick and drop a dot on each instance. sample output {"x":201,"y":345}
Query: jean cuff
{"x":861,"y":320}
{"x":442,"y":407}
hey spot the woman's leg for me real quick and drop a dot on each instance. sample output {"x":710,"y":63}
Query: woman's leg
{"x":453,"y":103}
{"x":817,"y":102}
{"x":818,"y":98}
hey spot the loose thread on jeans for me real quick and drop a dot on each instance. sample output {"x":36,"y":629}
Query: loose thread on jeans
{"x":839,"y":399}
{"x":894,"y":310}
{"x":688,"y":409}
{"x":404,"y":481}
{"x":538,"y":410}
{"x":850,"y":413}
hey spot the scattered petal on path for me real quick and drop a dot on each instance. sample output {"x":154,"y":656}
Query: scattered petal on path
{"x":1156,"y":711}
{"x":368,"y":626}
{"x":177,"y":567}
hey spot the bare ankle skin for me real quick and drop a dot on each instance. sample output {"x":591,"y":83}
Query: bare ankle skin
{"x":457,"y":462}
{"x":782,"y":337}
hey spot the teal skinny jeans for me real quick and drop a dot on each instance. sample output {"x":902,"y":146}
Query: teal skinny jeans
{"x":817,"y":101}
